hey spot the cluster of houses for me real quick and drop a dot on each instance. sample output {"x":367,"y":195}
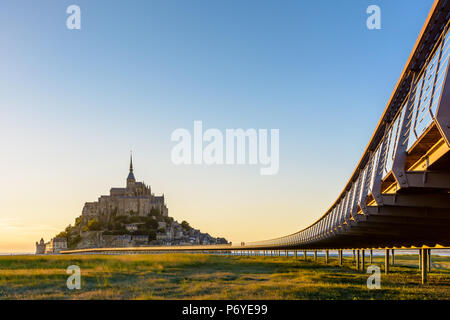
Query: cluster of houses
{"x":174,"y":234}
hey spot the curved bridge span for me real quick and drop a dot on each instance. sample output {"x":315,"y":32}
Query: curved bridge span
{"x":399,"y":193}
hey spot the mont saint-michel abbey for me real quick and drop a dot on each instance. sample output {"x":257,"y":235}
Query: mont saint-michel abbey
{"x":127,"y":217}
{"x":135,"y":199}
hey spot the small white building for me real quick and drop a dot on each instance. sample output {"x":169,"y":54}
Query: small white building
{"x":132,"y":226}
{"x":161,"y":225}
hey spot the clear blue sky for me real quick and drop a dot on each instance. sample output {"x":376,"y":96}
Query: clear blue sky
{"x":74,"y":102}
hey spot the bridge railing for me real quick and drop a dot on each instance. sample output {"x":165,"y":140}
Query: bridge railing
{"x":415,"y":115}
{"x":427,"y":91}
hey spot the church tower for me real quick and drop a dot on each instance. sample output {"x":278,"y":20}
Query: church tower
{"x":131,"y":181}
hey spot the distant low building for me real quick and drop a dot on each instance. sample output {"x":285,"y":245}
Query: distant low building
{"x":40,"y":247}
{"x":140,"y":239}
{"x":55,"y":245}
{"x":162,"y":225}
{"x":132,"y":226}
{"x":162,"y":236}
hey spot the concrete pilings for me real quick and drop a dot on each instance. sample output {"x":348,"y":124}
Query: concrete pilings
{"x":424,"y":269}
{"x":363,"y":260}
{"x":386,"y":261}
{"x":357,"y":260}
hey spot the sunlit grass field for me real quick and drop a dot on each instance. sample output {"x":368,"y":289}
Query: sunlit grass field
{"x":199,"y":276}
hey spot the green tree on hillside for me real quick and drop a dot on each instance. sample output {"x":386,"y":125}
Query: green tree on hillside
{"x":185,"y":225}
{"x":94,"y":225}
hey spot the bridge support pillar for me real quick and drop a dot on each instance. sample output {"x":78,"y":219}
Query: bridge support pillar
{"x":424,"y":265}
{"x":357,"y":260}
{"x":429,"y":260}
{"x":315,"y":255}
{"x":393,"y":257}
{"x":353,"y":256}
{"x":340,"y":257}
{"x":305,"y":255}
{"x":363,"y":260}
{"x":286,"y":253}
{"x":295,"y":254}
{"x":371,"y":256}
{"x":386,"y":261}
{"x":420,"y":259}
{"x":326,"y":256}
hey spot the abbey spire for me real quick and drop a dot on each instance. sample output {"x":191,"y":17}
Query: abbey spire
{"x":131,"y":162}
{"x":130,"y":177}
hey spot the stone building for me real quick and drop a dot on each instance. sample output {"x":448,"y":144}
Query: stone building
{"x":135,"y":199}
{"x":55,"y":245}
{"x":40,"y":247}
